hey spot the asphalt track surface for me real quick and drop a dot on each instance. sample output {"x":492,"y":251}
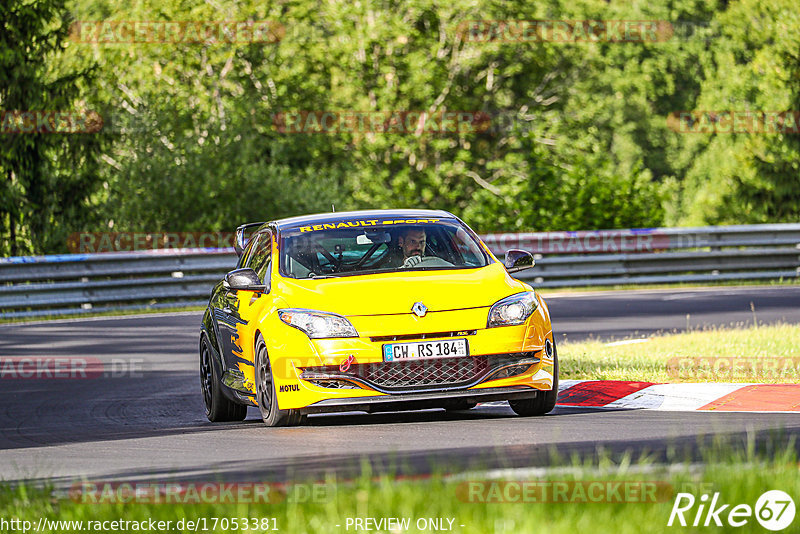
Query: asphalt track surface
{"x":148,"y":424}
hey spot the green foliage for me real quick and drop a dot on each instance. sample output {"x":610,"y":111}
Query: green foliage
{"x":46,"y":179}
{"x":752,"y":64}
{"x":578,"y":137}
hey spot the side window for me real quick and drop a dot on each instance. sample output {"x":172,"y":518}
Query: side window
{"x":248,"y":252}
{"x":261,"y":255}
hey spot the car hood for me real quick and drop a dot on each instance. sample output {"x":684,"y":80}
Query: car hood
{"x":396,"y":293}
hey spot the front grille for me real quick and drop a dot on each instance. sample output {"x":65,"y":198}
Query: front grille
{"x":425,"y":374}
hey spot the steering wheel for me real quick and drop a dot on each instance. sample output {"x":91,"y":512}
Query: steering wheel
{"x":428,"y":261}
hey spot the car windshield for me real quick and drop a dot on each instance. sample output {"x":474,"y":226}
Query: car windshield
{"x":344,"y":248}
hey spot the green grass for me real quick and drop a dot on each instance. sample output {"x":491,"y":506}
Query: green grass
{"x":739,"y":476}
{"x":764,"y":354}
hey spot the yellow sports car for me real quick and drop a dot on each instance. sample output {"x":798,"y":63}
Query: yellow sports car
{"x":373,"y":311}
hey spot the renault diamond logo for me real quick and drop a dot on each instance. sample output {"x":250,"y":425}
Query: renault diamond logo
{"x":419,"y":309}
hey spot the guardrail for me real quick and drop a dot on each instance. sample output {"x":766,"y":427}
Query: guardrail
{"x":80,"y":283}
{"x":657,"y":255}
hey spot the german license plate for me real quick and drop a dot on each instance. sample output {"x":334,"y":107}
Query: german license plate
{"x":422,"y":350}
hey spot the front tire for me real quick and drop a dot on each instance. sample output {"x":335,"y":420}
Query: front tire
{"x":265,"y":392}
{"x":544,"y":401}
{"x":218,"y":407}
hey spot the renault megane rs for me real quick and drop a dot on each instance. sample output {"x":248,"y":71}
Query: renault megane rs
{"x":373,"y":311}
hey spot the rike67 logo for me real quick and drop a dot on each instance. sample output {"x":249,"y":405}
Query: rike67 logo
{"x":774,"y":510}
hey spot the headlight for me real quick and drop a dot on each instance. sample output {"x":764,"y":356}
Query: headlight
{"x":318,"y":325}
{"x":513,"y":310}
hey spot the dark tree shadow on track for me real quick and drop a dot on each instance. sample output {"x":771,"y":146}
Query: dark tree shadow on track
{"x":346,"y":467}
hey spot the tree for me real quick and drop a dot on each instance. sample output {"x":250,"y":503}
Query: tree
{"x":46,"y":177}
{"x":752,"y":67}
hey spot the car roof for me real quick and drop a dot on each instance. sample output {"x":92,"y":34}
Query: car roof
{"x":345,"y":216}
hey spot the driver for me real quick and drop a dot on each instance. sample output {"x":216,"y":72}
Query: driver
{"x":412,"y":243}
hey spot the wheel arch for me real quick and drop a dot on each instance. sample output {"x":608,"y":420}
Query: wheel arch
{"x":208,"y":328}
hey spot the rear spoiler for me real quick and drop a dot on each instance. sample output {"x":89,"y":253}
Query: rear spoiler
{"x":239,"y":243}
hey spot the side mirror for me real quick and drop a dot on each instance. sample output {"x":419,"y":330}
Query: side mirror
{"x":518,"y":260}
{"x":246,"y":280}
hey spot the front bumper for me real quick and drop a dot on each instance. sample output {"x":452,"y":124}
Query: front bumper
{"x":419,"y":401}
{"x":417,"y":376}
{"x":309,"y":374}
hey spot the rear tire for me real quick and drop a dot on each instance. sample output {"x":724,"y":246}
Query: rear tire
{"x":265,"y":392}
{"x":544,"y":401}
{"x":218,"y":407}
